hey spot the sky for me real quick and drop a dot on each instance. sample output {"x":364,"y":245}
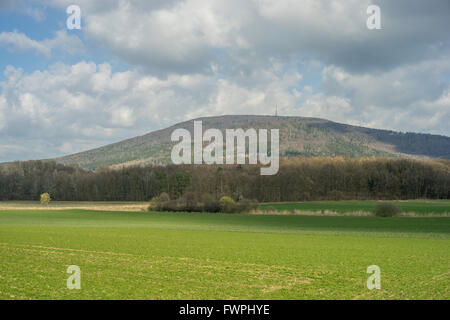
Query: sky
{"x":138,"y":66}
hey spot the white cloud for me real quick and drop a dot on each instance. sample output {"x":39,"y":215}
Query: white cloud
{"x":191,"y":36}
{"x":65,"y":42}
{"x":2,"y":110}
{"x":19,"y":42}
{"x":123,"y":116}
{"x":24,"y":7}
{"x":66,"y":148}
{"x":410,"y":97}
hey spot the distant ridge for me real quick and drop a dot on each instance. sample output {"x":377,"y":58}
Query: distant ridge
{"x":299,"y":136}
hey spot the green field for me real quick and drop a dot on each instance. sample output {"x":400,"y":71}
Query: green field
{"x":139,"y":255}
{"x":419,"y":207}
{"x":410,"y":206}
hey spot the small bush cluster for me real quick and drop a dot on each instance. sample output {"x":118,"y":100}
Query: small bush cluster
{"x":387,"y":210}
{"x":45,"y":199}
{"x":193,"y":202}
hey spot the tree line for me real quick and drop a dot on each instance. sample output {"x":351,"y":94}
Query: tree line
{"x":298,"y":179}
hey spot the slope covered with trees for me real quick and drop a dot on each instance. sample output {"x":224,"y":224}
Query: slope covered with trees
{"x":299,"y":136}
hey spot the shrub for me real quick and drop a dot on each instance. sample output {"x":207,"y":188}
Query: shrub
{"x":213,"y":206}
{"x":171,"y":206}
{"x":227,"y":205}
{"x":387,"y":210}
{"x":164,"y":197}
{"x":45,"y":198}
{"x":209,"y":203}
{"x":226,"y":199}
{"x":206,"y":197}
{"x":194,"y":202}
{"x":190,"y":201}
{"x":155,"y":202}
{"x":246,"y":205}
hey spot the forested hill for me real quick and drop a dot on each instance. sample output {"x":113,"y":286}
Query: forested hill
{"x":298,"y":137}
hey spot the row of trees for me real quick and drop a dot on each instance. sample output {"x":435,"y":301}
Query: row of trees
{"x":299,"y":179}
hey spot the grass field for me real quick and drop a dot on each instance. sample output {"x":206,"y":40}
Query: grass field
{"x":140,"y":255}
{"x":421,"y":207}
{"x":89,"y":205}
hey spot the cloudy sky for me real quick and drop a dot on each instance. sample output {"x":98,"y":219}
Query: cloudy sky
{"x":137,"y":66}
